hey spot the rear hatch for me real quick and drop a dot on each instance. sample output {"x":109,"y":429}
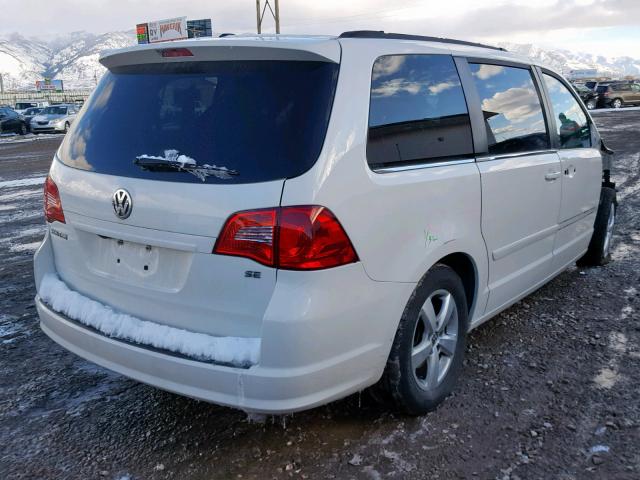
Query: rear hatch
{"x":188,"y":138}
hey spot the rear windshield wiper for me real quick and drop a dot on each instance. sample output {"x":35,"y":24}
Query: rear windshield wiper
{"x":200,"y":171}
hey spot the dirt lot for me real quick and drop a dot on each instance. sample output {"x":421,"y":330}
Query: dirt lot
{"x":550,"y":389}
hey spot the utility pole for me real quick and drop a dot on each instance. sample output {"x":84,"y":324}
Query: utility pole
{"x":1,"y":84}
{"x":275,"y":13}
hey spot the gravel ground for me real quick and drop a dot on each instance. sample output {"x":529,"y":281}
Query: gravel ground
{"x":549,"y":389}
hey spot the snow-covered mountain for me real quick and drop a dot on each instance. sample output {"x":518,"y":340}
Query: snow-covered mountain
{"x":22,"y":61}
{"x":74,"y":58}
{"x":565,"y":60}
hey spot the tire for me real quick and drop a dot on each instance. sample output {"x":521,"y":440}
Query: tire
{"x":616,"y":103}
{"x":591,"y":104}
{"x":66,"y":128}
{"x":23,"y":129}
{"x":599,"y":251}
{"x":409,"y":381}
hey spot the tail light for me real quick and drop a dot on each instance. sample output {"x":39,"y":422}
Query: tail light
{"x":52,"y":204}
{"x":175,"y":52}
{"x":293,"y":238}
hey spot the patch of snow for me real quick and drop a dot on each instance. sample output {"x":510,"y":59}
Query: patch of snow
{"x":31,"y":213}
{"x":31,"y":137}
{"x":599,"y":449}
{"x":172,"y":156}
{"x":30,"y":231}
{"x":8,"y":328}
{"x":190,"y":165}
{"x":607,"y":377}
{"x":22,"y":182}
{"x":20,"y":194}
{"x":623,"y":109}
{"x":237,"y":351}
{"x":25,"y":247}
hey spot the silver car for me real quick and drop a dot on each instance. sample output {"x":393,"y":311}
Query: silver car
{"x":54,"y":119}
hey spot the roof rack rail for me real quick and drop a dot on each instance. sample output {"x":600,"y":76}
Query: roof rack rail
{"x":403,"y":36}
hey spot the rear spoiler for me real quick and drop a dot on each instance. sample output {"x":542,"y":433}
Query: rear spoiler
{"x":227,"y":48}
{"x":608,"y":157}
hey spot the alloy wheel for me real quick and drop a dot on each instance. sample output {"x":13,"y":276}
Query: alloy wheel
{"x":435,"y":339}
{"x":609,"y":234}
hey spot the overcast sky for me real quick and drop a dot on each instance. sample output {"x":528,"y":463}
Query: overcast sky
{"x":608,"y":27}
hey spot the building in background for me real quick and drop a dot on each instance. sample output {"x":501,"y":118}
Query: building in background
{"x":199,"y":28}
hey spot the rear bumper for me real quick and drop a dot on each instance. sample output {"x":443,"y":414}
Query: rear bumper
{"x":257,"y":389}
{"x":319,"y":343}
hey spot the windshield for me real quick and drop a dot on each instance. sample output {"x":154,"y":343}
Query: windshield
{"x":54,"y":111}
{"x":602,"y":88}
{"x":261,"y":120}
{"x":32,"y":111}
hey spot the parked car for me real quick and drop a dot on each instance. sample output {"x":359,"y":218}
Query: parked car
{"x":22,"y":105}
{"x":589,"y":97}
{"x":277,"y":253}
{"x":11,"y":122}
{"x":29,"y":113}
{"x":618,"y":94}
{"x":56,"y":118}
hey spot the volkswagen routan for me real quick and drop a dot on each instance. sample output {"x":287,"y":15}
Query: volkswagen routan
{"x":276,"y":222}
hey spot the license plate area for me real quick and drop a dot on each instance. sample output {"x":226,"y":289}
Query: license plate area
{"x":135,"y":258}
{"x":135,"y":263}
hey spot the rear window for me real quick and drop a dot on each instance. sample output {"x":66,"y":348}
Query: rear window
{"x":602,"y":88}
{"x":224,"y":122}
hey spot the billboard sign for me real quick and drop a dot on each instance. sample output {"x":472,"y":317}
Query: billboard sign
{"x":583,"y":73}
{"x":167,"y":30}
{"x":142,"y":33}
{"x":48,"y":85}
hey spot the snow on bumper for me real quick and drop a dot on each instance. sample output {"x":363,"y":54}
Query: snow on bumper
{"x":237,"y":351}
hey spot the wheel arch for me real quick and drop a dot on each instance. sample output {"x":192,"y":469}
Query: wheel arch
{"x":466,"y":269}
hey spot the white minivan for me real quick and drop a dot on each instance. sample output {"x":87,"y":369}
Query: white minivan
{"x":275,"y":222}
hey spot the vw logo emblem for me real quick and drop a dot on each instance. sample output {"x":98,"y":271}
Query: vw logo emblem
{"x":122,"y":203}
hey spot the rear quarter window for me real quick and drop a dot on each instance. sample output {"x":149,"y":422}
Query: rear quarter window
{"x":417,"y":112}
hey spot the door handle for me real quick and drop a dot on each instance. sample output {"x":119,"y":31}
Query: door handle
{"x":551,"y":176}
